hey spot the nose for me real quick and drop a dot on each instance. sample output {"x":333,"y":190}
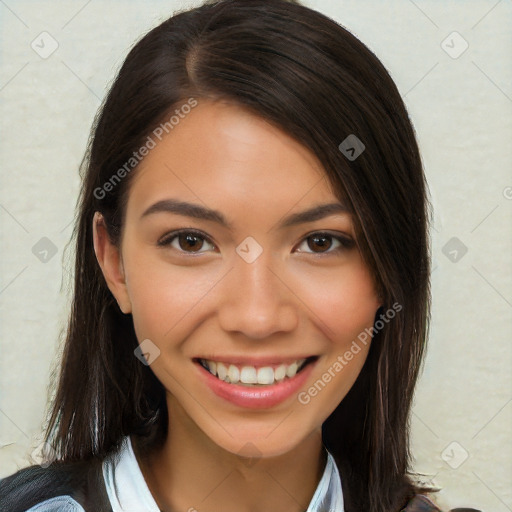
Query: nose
{"x":256,"y":301}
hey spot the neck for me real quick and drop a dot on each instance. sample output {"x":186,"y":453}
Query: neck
{"x":192,"y":473}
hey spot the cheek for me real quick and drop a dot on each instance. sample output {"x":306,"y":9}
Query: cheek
{"x":344,"y":308}
{"x":344,"y":303}
{"x":162,"y":294}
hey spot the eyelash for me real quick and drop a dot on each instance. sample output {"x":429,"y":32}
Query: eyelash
{"x":345,"y":242}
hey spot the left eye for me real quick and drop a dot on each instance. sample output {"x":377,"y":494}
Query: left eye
{"x":326,"y":243}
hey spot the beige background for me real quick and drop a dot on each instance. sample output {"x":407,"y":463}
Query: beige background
{"x":461,"y":107}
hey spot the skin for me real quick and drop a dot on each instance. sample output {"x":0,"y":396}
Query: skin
{"x":296,"y":298}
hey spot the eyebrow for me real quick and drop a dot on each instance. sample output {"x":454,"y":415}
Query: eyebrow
{"x":197,"y":211}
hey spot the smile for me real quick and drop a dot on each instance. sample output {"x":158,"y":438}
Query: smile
{"x":252,"y":375}
{"x":260,"y":386}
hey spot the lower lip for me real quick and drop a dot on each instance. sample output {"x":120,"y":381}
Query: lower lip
{"x":257,"y":397}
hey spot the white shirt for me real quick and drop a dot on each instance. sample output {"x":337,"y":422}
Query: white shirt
{"x":128,"y":491}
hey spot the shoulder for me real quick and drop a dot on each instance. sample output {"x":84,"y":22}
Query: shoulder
{"x":421,"y":503}
{"x":57,"y":504}
{"x":62,"y":486}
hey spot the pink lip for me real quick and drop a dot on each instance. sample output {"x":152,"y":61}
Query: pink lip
{"x":256,"y":397}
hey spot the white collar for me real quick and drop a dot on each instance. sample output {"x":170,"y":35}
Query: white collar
{"x":128,"y":492}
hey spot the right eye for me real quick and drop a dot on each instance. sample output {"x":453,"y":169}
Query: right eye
{"x":186,"y":241}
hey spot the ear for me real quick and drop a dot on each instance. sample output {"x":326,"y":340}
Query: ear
{"x":111,"y":263}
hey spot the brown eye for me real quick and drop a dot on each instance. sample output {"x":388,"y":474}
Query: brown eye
{"x":186,"y":241}
{"x":325,"y":243}
{"x":320,"y":242}
{"x":190,"y":242}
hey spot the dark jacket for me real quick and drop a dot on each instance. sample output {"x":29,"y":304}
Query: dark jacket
{"x":83,"y":483}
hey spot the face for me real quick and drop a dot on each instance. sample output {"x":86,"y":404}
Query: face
{"x":250,"y":289}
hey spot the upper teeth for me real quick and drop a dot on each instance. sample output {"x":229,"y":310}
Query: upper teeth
{"x":251,"y":375}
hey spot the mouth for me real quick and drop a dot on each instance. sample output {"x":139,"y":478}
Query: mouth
{"x":255,"y":376}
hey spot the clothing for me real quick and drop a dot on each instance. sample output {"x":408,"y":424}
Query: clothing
{"x":62,"y":486}
{"x":128,"y":492}
{"x":117,"y":485}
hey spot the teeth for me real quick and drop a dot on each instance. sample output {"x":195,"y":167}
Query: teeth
{"x":292,"y":370}
{"x":249,"y":375}
{"x":221,"y":371}
{"x":233,"y":374}
{"x":280,"y":373}
{"x":265,"y":375}
{"x":212,"y":366}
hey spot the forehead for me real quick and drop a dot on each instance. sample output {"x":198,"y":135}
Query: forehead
{"x":223,"y":155}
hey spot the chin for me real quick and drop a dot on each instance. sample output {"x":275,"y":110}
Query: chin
{"x":269,"y":439}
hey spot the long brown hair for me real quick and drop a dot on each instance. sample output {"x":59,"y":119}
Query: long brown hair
{"x":313,"y":79}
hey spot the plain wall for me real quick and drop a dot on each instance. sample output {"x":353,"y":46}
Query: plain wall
{"x":461,"y":108}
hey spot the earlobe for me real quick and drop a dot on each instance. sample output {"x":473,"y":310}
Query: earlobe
{"x":111,"y":264}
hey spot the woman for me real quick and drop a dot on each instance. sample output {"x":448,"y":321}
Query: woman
{"x":251,"y":283}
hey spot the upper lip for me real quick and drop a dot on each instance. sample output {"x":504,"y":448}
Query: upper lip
{"x":255,"y":361}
